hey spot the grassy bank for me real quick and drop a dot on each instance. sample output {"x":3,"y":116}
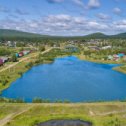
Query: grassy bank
{"x":121,"y":69}
{"x":100,"y":114}
{"x":11,"y":74}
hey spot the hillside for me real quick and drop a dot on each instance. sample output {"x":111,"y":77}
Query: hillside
{"x":97,"y":35}
{"x":121,"y":35}
{"x":15,"y":33}
{"x":6,"y":34}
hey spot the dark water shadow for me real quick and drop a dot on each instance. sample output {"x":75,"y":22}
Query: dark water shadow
{"x":65,"y":123}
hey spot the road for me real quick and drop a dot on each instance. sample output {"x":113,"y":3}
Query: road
{"x":24,"y":59}
{"x":10,"y":117}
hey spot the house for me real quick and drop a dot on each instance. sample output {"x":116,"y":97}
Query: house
{"x":95,"y":48}
{"x":116,"y":57}
{"x":25,"y":52}
{"x":71,"y":48}
{"x":124,"y":58}
{"x":110,"y":57}
{"x":17,"y":55}
{"x":21,"y":54}
{"x":5,"y":59}
{"x":106,"y":47}
{"x":11,"y":44}
{"x":1,"y":62}
{"x":121,"y":55}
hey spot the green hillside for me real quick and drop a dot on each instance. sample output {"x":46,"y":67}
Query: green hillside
{"x":6,"y":34}
{"x":97,"y":35}
{"x":121,"y":35}
{"x":15,"y":33}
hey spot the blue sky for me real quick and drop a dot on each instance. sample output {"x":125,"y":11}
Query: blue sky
{"x":64,"y":17}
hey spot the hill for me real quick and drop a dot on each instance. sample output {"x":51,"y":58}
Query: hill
{"x":6,"y":34}
{"x":121,"y":35}
{"x":97,"y":35}
{"x":16,"y":33}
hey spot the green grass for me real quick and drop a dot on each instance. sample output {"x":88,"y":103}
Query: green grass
{"x":12,"y":74}
{"x":100,"y":114}
{"x":121,"y":69}
{"x":6,"y":109}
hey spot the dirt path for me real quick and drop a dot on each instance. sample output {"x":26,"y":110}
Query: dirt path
{"x":10,"y":117}
{"x":23,"y":59}
{"x":112,"y":112}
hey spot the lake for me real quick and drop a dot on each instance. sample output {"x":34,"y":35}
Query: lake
{"x":72,"y":79}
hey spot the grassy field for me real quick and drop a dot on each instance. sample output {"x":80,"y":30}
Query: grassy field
{"x":100,"y":114}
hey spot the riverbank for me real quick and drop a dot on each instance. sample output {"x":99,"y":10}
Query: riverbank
{"x":121,"y":68}
{"x":99,"y":114}
{"x":10,"y":73}
{"x":16,"y":70}
{"x":48,"y":56}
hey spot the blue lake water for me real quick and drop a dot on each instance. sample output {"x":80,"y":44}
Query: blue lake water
{"x":72,"y":79}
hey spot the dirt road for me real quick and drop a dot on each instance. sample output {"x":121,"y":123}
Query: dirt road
{"x":24,"y":59}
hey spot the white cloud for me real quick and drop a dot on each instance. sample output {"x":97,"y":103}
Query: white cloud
{"x":79,"y":2}
{"x":117,"y":11}
{"x":103,"y":16}
{"x":93,"y":4}
{"x":55,"y":1}
{"x":63,"y":24}
{"x":120,"y":25}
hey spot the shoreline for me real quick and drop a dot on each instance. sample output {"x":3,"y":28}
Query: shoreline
{"x":81,"y":57}
{"x":118,"y":68}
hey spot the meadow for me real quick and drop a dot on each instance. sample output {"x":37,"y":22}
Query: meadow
{"x":100,"y":114}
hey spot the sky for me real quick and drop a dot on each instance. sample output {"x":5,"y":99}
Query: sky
{"x":64,"y":17}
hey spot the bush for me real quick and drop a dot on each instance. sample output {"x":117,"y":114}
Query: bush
{"x":20,"y":73}
{"x":14,"y":58}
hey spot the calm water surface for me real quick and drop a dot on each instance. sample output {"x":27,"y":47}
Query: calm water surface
{"x":72,"y":79}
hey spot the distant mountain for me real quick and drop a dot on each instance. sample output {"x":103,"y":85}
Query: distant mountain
{"x":6,"y":34}
{"x":16,"y":33}
{"x":97,"y":35}
{"x":121,"y":35}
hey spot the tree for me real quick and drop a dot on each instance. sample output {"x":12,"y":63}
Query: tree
{"x":41,"y":48}
{"x":14,"y":58}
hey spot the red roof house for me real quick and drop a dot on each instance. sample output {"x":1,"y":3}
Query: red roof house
{"x":1,"y":62}
{"x":21,"y":54}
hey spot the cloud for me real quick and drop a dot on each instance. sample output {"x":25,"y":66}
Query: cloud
{"x":117,"y":11}
{"x":93,"y":4}
{"x":103,"y":16}
{"x":120,"y":25}
{"x":21,"y":12}
{"x":55,"y":1}
{"x":4,"y":9}
{"x":56,"y":25}
{"x":79,"y":3}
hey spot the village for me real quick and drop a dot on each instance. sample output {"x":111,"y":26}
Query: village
{"x":96,"y":49}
